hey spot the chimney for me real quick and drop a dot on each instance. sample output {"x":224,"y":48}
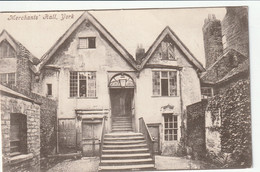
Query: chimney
{"x":139,"y":53}
{"x":212,"y":36}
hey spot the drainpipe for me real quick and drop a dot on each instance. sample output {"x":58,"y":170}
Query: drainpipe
{"x":57,"y":119}
{"x":181,"y":103}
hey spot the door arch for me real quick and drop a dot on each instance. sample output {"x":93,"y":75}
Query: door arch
{"x":121,"y":91}
{"x":121,"y":80}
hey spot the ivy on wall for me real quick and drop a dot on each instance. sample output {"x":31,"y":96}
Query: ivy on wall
{"x":235,"y":130}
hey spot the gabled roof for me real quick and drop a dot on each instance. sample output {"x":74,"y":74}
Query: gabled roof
{"x":168,"y":31}
{"x":207,"y":77}
{"x":17,"y":46}
{"x":87,"y":16}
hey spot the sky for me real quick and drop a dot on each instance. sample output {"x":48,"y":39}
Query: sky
{"x":129,"y":27}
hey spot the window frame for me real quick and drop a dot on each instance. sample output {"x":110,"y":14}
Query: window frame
{"x":168,"y":79}
{"x":7,"y":76}
{"x":207,"y":96}
{"x":78,"y":85}
{"x":49,"y":89}
{"x":173,"y":129}
{"x":87,"y":39}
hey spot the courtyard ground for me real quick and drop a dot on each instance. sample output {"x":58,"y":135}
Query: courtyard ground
{"x":90,"y":164}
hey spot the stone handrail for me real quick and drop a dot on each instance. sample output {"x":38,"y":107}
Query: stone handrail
{"x":149,"y":139}
{"x":101,"y":139}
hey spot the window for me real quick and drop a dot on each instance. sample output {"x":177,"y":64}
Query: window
{"x":87,"y":42}
{"x":49,"y":89}
{"x":170,"y":127}
{"x":206,"y":92}
{"x":167,"y":51}
{"x":233,"y":61}
{"x":18,"y":134}
{"x":6,"y":50}
{"x":82,"y":84}
{"x":164,"y":83}
{"x":7,"y":78}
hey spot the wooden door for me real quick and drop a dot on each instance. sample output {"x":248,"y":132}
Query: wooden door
{"x":90,"y":138}
{"x":67,"y":135}
{"x":154,"y":130}
{"x":121,"y":101}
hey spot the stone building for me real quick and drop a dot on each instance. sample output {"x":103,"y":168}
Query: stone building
{"x":24,"y":109}
{"x":17,"y":63}
{"x":20,"y":116}
{"x":93,"y":77}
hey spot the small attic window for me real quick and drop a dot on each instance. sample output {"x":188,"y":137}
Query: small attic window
{"x":87,"y":42}
{"x":233,"y":61}
{"x":167,"y":51}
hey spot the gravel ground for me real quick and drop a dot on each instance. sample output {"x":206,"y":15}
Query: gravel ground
{"x":178,"y":163}
{"x":85,"y":164}
{"x":90,"y":164}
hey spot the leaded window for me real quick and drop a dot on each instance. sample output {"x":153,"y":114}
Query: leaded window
{"x":164,"y":83}
{"x":167,"y":51}
{"x":82,"y":84}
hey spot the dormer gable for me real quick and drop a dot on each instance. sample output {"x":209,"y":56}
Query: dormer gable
{"x":8,"y":45}
{"x":6,"y":50}
{"x":165,"y":49}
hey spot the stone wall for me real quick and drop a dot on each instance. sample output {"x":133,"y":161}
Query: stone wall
{"x":30,"y":161}
{"x":196,"y":129}
{"x":48,"y":118}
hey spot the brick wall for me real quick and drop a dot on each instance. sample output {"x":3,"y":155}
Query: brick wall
{"x":196,"y":129}
{"x":30,"y":161}
{"x":235,"y":28}
{"x":23,"y":69}
{"x":212,"y":35}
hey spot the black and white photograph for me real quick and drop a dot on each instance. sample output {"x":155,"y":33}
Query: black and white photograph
{"x":142,"y":89}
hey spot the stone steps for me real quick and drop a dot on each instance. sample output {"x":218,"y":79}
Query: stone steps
{"x":124,"y":138}
{"x":124,"y":146}
{"x":126,"y":142}
{"x":113,"y":151}
{"x":126,"y":167}
{"x":125,"y":151}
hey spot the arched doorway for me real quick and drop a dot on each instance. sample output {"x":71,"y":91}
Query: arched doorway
{"x":121,"y":94}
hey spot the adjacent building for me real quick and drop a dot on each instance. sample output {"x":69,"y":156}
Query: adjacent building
{"x":24,"y":114}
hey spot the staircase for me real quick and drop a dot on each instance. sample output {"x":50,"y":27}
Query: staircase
{"x":122,"y":124}
{"x":125,"y":150}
